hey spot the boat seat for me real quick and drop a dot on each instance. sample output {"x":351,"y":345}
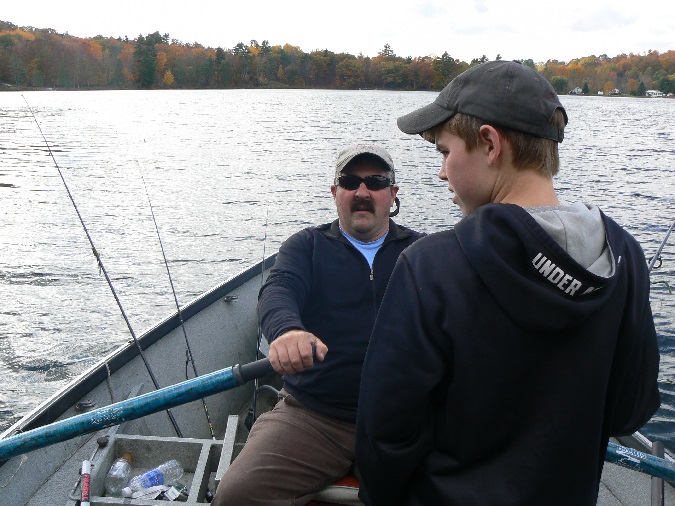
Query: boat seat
{"x":344,"y":492}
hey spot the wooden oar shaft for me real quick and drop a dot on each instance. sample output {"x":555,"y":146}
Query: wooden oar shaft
{"x":137,"y":407}
{"x":640,"y":461}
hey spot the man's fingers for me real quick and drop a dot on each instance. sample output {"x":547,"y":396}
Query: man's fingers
{"x":320,"y":350}
{"x":295,"y":351}
{"x":279,"y":358}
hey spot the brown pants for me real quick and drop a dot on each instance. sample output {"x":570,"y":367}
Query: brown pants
{"x":291,"y":453}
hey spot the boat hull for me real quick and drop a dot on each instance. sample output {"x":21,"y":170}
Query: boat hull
{"x":222,"y":329}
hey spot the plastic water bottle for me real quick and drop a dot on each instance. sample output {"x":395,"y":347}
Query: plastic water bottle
{"x":118,"y":476}
{"x":164,"y":474}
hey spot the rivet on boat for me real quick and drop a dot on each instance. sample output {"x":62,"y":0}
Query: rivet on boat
{"x":85,"y":405}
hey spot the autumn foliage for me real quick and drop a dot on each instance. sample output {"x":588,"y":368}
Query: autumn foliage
{"x":43,"y":58}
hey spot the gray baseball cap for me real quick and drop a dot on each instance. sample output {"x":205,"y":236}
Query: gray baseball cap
{"x":503,"y":93}
{"x":350,"y":152}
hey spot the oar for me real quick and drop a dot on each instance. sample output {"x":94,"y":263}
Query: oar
{"x":146,"y":404}
{"x":640,"y":461}
{"x":220,"y":381}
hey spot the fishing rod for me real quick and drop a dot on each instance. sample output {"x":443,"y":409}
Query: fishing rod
{"x":136,"y":407}
{"x":657,"y":256}
{"x":252,"y":414}
{"x":188,"y":350}
{"x":102,"y":267}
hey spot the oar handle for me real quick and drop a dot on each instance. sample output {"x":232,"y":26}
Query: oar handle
{"x":253,"y":370}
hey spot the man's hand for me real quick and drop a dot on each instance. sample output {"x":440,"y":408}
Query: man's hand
{"x":291,"y":352}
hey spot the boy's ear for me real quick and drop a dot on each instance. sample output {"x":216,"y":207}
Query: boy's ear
{"x":492,"y":143}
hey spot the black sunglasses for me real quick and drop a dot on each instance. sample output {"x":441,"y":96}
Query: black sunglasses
{"x":373,"y":183}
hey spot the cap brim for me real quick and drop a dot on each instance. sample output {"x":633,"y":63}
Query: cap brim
{"x":423,"y":119}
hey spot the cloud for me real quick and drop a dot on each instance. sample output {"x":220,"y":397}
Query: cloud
{"x":429,"y":10}
{"x":604,"y":19}
{"x":481,"y":6}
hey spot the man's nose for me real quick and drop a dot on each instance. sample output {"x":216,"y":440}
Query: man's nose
{"x":362,"y":191}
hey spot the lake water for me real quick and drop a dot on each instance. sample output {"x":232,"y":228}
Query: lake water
{"x":230,"y":174}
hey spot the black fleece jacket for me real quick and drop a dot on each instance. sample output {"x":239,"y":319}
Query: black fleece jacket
{"x":499,"y":367}
{"x":321,"y":283}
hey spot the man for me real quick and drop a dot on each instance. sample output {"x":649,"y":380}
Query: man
{"x":317,"y":309}
{"x":506,"y":351}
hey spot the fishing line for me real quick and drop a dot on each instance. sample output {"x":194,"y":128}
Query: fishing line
{"x":101,"y":267}
{"x":188,"y":350}
{"x":657,"y":256}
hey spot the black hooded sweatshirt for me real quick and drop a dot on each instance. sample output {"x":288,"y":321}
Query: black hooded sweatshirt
{"x":499,"y":367}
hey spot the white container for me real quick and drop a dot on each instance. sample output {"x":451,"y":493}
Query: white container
{"x":118,"y":476}
{"x":167,"y":473}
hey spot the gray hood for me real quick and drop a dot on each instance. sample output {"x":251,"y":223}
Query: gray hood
{"x":579,"y":230}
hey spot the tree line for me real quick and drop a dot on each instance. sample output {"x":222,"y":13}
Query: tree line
{"x":33,"y":58}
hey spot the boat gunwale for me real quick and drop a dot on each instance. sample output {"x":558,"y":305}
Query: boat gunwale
{"x":58,"y":403}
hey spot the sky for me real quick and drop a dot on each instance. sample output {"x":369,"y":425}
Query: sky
{"x":513,"y":29}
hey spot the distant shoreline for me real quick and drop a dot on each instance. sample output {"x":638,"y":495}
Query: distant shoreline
{"x":4,"y":87}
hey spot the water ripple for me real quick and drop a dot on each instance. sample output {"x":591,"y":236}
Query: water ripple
{"x":231,"y":173}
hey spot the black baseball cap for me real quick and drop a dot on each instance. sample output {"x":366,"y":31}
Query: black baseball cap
{"x":503,"y":93}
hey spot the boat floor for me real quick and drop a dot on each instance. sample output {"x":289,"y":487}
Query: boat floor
{"x":621,"y":486}
{"x":209,"y":459}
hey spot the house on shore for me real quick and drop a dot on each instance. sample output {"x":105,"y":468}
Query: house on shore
{"x":654,"y":93}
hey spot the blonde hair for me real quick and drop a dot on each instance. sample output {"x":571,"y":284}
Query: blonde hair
{"x":529,"y":152}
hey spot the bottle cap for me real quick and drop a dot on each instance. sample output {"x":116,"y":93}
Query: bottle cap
{"x":126,"y":492}
{"x":127,"y":456}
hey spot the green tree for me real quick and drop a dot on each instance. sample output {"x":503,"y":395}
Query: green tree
{"x":206,"y":70}
{"x":387,"y":52}
{"x":641,"y":89}
{"x":6,"y":41}
{"x":145,"y":58}
{"x":18,"y":70}
{"x":226,"y":73}
{"x":63,"y":77}
{"x":560,"y":84}
{"x":240,"y":49}
{"x":394,"y":74}
{"x":349,"y":73}
{"x":585,"y":89}
{"x":666,"y":84}
{"x":117,"y":79}
{"x":445,"y":69}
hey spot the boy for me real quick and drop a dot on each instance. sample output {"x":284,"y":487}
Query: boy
{"x":506,"y":351}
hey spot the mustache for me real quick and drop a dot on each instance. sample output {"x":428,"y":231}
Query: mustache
{"x":362,"y":205}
